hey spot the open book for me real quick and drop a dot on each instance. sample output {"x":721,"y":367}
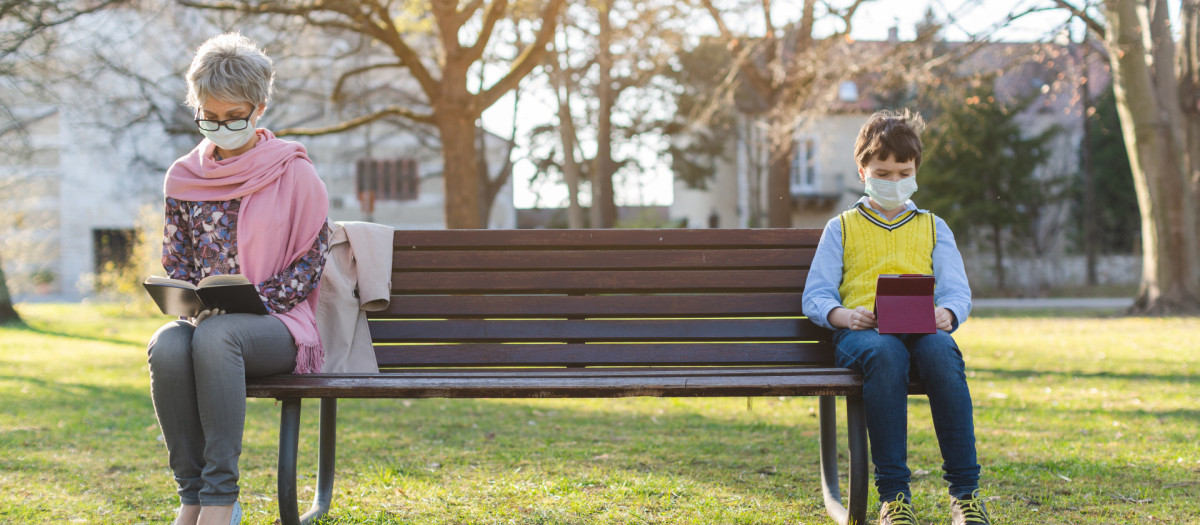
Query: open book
{"x":904,"y":304}
{"x":232,"y":293}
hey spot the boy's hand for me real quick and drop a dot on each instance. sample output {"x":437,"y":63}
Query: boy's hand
{"x":862,"y":319}
{"x":857,"y":319}
{"x":943,"y":319}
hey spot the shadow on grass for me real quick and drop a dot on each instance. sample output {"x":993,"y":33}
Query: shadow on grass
{"x":66,"y":415}
{"x":382,"y":438}
{"x":463,"y":444}
{"x":1014,"y":373}
{"x":1016,"y":313}
{"x":33,"y":329}
{"x":60,"y":420}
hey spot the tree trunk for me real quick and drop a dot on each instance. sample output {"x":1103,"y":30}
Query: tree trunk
{"x":460,"y":170}
{"x":571,"y":172}
{"x":779,"y":181}
{"x":752,"y":145}
{"x":1089,"y":179}
{"x":1189,"y":93}
{"x":566,"y":133}
{"x":604,"y":207}
{"x":998,"y":256}
{"x":1153,"y":126}
{"x":7,"y":312}
{"x":493,"y":186}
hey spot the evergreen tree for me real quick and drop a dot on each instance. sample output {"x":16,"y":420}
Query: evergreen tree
{"x":978,"y":170}
{"x":1117,"y":221}
{"x":701,"y":128}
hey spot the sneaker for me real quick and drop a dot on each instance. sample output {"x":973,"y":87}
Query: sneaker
{"x":969,"y":509}
{"x":898,"y":512}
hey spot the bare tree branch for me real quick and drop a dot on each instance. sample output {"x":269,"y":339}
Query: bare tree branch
{"x":720,"y":20}
{"x":493,"y":186}
{"x":744,"y":52}
{"x":847,"y":15}
{"x":766,"y":4}
{"x":445,"y":14}
{"x":808,"y":18}
{"x":468,"y":11}
{"x":495,"y":12}
{"x":37,"y":16}
{"x":529,"y":58}
{"x":1091,"y":22}
{"x":393,"y":111}
{"x":337,"y":88}
{"x":383,"y":29}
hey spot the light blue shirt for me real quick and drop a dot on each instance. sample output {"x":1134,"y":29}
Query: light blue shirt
{"x":821,"y":294}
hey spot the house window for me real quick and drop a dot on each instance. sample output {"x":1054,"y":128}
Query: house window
{"x":112,"y":251}
{"x":394,"y":180}
{"x":804,"y":166}
{"x":848,"y":91}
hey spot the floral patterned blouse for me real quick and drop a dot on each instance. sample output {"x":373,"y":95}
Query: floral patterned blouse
{"x":200,"y":239}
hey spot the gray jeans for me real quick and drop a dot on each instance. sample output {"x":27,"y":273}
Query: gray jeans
{"x":198,"y":383}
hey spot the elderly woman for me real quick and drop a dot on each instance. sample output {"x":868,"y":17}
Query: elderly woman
{"x":241,"y":202}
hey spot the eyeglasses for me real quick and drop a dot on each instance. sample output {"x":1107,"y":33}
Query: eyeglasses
{"x":233,"y":124}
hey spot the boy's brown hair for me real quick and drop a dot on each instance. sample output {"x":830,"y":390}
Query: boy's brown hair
{"x":895,"y":134}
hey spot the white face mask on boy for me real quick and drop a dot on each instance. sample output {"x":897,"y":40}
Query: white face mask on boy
{"x":888,"y":194}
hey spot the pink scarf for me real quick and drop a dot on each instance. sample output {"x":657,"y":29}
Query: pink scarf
{"x":284,"y":207}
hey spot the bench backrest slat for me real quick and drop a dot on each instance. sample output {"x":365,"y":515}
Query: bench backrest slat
{"x":708,"y":259}
{"x":567,"y":297}
{"x":599,"y":354}
{"x":522,"y":306}
{"x":599,"y":281}
{"x":493,"y":240}
{"x":600,"y":330}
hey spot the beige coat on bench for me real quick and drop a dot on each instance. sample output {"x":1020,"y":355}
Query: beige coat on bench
{"x":357,"y":279}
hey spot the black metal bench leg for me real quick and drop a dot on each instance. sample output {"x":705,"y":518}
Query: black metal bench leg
{"x":325,"y":463}
{"x":856,"y":434}
{"x":856,"y":514}
{"x":289,"y":440}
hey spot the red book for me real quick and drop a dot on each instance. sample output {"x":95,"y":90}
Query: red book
{"x":904,"y":304}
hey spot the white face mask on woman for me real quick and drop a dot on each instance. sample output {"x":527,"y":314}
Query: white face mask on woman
{"x":888,"y":194}
{"x":229,"y":140}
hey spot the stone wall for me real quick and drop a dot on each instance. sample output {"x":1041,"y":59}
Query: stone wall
{"x":1052,"y":272}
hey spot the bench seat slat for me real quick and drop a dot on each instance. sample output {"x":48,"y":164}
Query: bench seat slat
{"x":615,"y":239}
{"x":609,"y":282}
{"x":605,"y":330}
{"x":696,"y":354}
{"x":600,"y":259}
{"x":800,"y":381}
{"x":515,"y":306}
{"x":593,"y":373}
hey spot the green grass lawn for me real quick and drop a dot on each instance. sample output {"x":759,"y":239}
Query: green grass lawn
{"x":1078,"y":420}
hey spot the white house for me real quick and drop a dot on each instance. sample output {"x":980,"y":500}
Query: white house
{"x":90,"y":173}
{"x":824,"y":179}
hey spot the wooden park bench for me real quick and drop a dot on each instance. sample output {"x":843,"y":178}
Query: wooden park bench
{"x":602,"y":314}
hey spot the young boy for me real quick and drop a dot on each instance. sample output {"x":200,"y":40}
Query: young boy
{"x":885,"y":233}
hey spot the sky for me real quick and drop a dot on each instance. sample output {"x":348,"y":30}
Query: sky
{"x":871,"y":22}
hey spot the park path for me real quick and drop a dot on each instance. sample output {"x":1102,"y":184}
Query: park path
{"x":1075,"y":303}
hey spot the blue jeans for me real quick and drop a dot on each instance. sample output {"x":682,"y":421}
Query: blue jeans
{"x":198,"y":384}
{"x":886,"y":362}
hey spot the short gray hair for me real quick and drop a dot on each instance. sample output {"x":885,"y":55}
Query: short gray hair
{"x":232,"y":68}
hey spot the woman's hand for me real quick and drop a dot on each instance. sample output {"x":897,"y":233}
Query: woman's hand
{"x":943,"y":319}
{"x":205,"y":314}
{"x":857,"y":319}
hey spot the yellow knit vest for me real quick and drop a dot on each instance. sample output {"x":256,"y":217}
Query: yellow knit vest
{"x":873,"y":245}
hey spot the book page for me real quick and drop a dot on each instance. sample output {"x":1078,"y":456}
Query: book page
{"x":166,"y":281}
{"x":223,"y":280}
